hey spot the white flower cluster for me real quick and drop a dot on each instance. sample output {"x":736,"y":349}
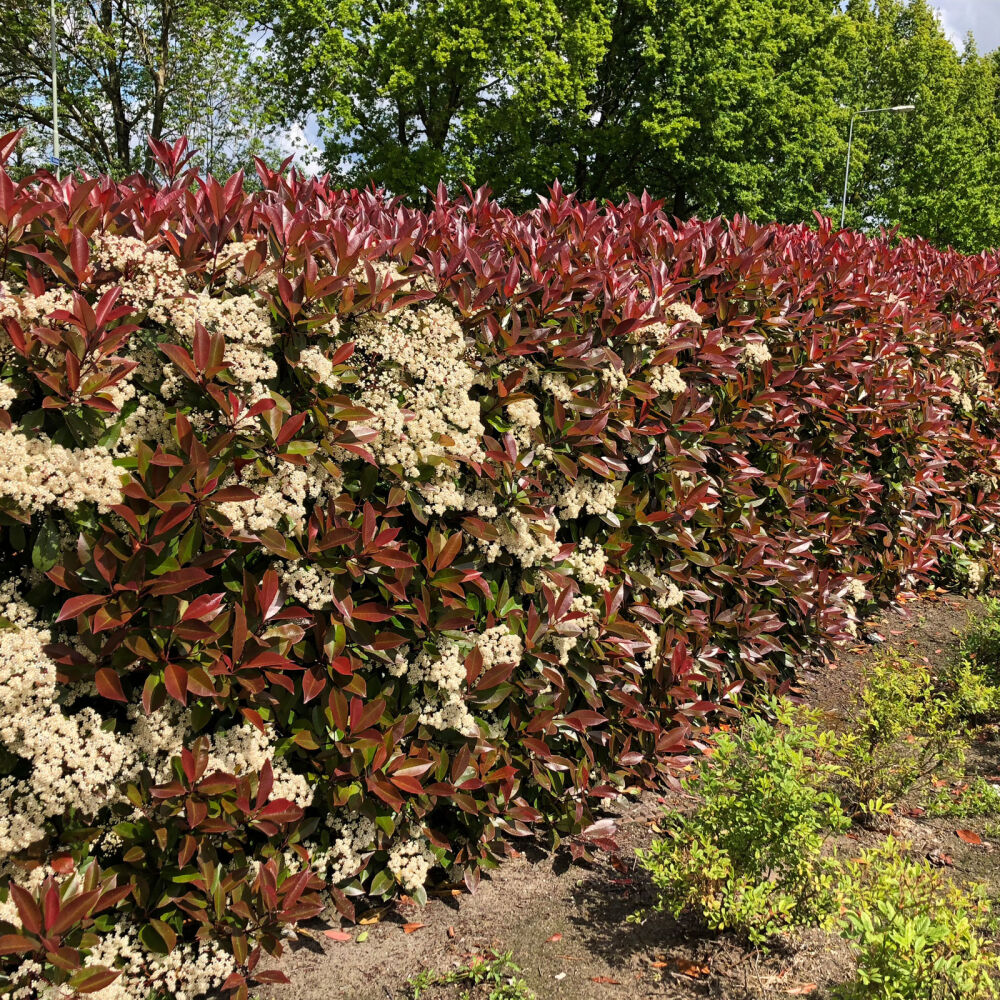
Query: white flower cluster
{"x":410,"y":861}
{"x":755,"y":355}
{"x":27,"y":309}
{"x":281,"y":497}
{"x":659,"y":333}
{"x":683,"y":312}
{"x":445,"y":707}
{"x":243,"y":749}
{"x":309,"y":584}
{"x":557,"y":385}
{"x":443,"y":495}
{"x":667,"y":380}
{"x":152,"y":280}
{"x":246,"y":325}
{"x":531,"y":542}
{"x":36,"y":474}
{"x":318,"y":365}
{"x":596,"y":496}
{"x":569,"y":634}
{"x":974,"y":572}
{"x":61,"y":777}
{"x":970,"y":384}
{"x":652,"y":653}
{"x":666,"y":593}
{"x":499,"y":645}
{"x":524,"y":417}
{"x":418,"y":382}
{"x":191,"y":970}
{"x":352,"y":835}
{"x":588,"y":561}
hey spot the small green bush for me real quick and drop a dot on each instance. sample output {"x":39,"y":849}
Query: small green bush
{"x":981,"y":643}
{"x":976,"y":798}
{"x":974,"y":681}
{"x":750,"y":857}
{"x":916,"y":935}
{"x":905,"y":731}
{"x":498,"y":975}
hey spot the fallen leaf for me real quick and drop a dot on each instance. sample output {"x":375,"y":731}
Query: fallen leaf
{"x":363,"y":936}
{"x":659,"y":965}
{"x":969,"y":836}
{"x":607,"y":980}
{"x":690,"y":969}
{"x":451,"y":932}
{"x":338,"y":935}
{"x":410,"y":928}
{"x":369,"y":920}
{"x":801,"y":991}
{"x":555,"y":937}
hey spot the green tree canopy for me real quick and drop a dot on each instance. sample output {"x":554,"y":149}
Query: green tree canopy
{"x":410,"y":93}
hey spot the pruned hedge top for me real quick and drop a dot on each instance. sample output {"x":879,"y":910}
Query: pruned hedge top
{"x":342,"y":541}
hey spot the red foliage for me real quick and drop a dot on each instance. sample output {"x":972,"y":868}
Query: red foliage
{"x":861,"y":445}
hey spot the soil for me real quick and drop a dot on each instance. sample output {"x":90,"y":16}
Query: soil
{"x":566,"y":924}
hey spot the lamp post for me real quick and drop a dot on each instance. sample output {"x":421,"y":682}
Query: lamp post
{"x":895,"y":109}
{"x":55,"y":90}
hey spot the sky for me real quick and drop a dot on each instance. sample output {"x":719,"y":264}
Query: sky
{"x":981,"y":17}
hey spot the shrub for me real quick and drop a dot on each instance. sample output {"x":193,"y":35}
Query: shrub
{"x":981,"y":641}
{"x":342,"y":542}
{"x":904,"y":732}
{"x":916,"y":935}
{"x":750,"y":857}
{"x":975,"y":679}
{"x":971,"y":797}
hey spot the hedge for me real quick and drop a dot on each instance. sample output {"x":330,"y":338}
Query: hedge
{"x":343,"y":544}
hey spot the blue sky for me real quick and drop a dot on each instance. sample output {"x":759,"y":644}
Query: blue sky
{"x":981,"y":17}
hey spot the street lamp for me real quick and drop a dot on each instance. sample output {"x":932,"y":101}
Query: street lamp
{"x":55,"y":90}
{"x":895,"y":109}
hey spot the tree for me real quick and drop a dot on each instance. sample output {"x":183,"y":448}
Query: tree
{"x":934,"y":172}
{"x":130,"y":70}
{"x":718,"y":105}
{"x":408,"y":93}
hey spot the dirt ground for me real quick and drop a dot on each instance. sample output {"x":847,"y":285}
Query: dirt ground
{"x":566,"y":923}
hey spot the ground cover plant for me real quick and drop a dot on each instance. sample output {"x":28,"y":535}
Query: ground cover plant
{"x":343,"y":543}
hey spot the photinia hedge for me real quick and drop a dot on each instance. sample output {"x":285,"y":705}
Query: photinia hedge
{"x":343,"y":543}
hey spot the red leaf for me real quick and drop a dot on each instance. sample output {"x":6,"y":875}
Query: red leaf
{"x":16,"y":944}
{"x":175,"y":680}
{"x":109,"y":684}
{"x":78,"y":605}
{"x":969,"y":836}
{"x":338,"y":935}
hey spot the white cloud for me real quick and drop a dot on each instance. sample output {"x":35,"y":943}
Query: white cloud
{"x":981,"y":17}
